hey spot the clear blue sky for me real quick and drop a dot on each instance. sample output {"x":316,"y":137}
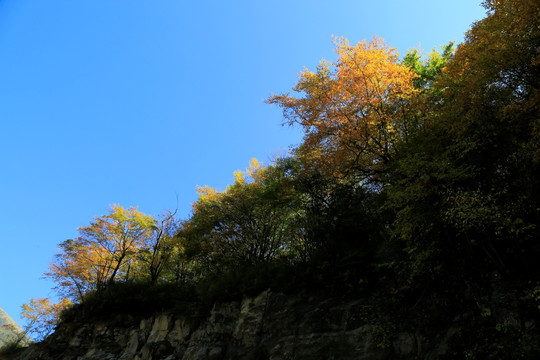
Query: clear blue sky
{"x":136,"y":102}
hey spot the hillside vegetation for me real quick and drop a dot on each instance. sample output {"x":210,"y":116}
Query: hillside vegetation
{"x":416,"y":187}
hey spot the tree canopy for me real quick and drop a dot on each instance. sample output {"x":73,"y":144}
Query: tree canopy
{"x":354,"y":111}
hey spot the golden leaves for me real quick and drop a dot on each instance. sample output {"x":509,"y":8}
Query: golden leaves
{"x":104,"y":251}
{"x":352,"y":111}
{"x":43,"y":315}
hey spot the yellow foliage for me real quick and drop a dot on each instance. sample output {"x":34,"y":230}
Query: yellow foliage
{"x":353,"y":111}
{"x":43,"y":315}
{"x":255,"y":170}
{"x":206,"y":193}
{"x":239,"y":177}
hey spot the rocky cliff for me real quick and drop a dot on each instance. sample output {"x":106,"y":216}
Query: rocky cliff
{"x":269,"y":326}
{"x":10,"y":331}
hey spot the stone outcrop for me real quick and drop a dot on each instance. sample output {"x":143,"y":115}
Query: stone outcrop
{"x":269,"y":326}
{"x":10,"y":331}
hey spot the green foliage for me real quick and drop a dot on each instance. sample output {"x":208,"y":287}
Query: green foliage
{"x":249,"y":223}
{"x":428,"y":69}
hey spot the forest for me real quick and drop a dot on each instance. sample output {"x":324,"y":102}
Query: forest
{"x":416,"y":187}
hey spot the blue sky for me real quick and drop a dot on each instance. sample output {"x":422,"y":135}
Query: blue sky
{"x":137,"y":102}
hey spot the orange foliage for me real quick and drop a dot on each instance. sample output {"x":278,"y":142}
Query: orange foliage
{"x":105,"y":251}
{"x":43,"y":316}
{"x":352,"y":111}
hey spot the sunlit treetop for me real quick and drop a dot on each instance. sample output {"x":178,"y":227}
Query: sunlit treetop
{"x":252,"y":176}
{"x":352,"y":110}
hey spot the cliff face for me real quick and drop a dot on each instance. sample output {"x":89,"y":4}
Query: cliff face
{"x":270,"y":326}
{"x":10,"y":331}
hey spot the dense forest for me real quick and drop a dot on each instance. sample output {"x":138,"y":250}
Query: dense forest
{"x":416,"y":187}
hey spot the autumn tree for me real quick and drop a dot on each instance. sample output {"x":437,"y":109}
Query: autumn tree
{"x":117,"y":237}
{"x":43,"y":316}
{"x":104,"y":251}
{"x":77,"y":269}
{"x":352,"y":111}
